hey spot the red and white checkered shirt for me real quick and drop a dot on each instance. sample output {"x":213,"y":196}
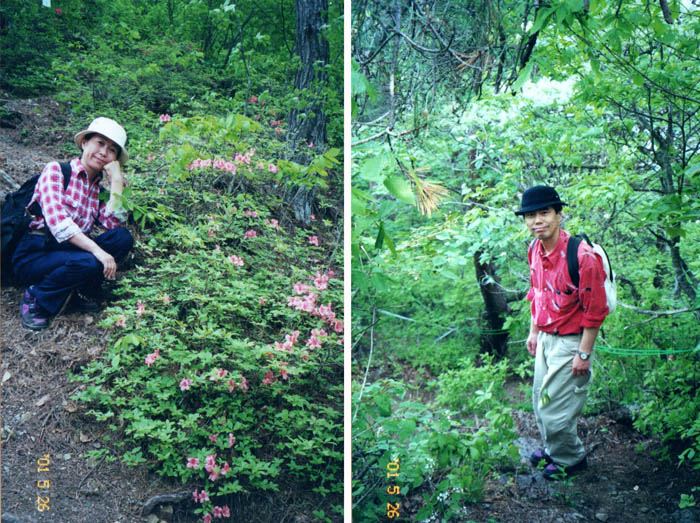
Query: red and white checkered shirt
{"x":74,"y":210}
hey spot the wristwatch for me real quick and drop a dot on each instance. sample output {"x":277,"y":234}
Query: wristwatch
{"x":583,"y":355}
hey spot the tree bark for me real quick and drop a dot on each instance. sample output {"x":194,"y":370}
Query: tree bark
{"x":495,"y":340}
{"x":314,"y":52}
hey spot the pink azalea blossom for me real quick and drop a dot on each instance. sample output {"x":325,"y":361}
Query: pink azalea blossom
{"x":161,"y":191}
{"x":301,"y":288}
{"x":193,"y":463}
{"x":150,"y":158}
{"x":203,"y":496}
{"x":267,"y":378}
{"x":121,"y":322}
{"x":165,"y":118}
{"x":213,"y":475}
{"x":217,"y":248}
{"x":283,"y":373}
{"x":313,"y":343}
{"x":253,"y":99}
{"x":313,"y":216}
{"x":231,"y":441}
{"x":213,"y":437}
{"x":272,"y":168}
{"x":262,"y":301}
{"x":185,"y":384}
{"x":243,"y":384}
{"x":338,"y":326}
{"x":206,"y":518}
{"x":225,"y":511}
{"x":250,"y":234}
{"x":321,"y":280}
{"x":195,"y":495}
{"x":151,"y":358}
{"x":166,"y":299}
{"x":225,"y":469}
{"x":313,"y":240}
{"x":140,"y":308}
{"x":218,"y":512}
{"x":236,"y":260}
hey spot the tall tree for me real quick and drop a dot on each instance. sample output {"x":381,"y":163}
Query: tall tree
{"x":308,"y":124}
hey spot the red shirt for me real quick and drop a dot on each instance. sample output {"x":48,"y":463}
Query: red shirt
{"x":557,"y":306}
{"x":74,"y":210}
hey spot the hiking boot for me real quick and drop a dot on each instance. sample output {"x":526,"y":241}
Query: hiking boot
{"x":33,"y":317}
{"x":554,"y":471}
{"x":539,"y":456}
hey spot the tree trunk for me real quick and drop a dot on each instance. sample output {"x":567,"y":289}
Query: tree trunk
{"x":495,"y":340}
{"x":314,"y":52}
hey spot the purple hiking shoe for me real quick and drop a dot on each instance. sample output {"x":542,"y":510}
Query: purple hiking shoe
{"x":32,"y":316}
{"x":554,"y":471}
{"x":539,"y":456}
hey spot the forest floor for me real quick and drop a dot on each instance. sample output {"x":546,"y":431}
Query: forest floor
{"x":39,"y":420}
{"x":624,"y":483}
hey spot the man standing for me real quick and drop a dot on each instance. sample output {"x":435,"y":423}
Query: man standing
{"x":563,"y":327}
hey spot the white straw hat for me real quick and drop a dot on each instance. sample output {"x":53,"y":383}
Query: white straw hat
{"x":110,"y":129}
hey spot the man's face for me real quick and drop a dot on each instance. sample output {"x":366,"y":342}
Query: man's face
{"x":543,"y":223}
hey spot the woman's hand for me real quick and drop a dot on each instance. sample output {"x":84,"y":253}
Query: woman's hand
{"x":113,"y":172}
{"x":107,"y":260}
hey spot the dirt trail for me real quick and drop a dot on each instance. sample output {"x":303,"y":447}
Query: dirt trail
{"x":39,"y":421}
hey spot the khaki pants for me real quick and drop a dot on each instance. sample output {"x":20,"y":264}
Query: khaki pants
{"x":558,"y":397}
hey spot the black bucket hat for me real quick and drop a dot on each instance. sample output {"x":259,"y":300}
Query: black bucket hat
{"x":538,"y":197}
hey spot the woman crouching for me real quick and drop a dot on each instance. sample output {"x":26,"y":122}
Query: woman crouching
{"x":57,"y":259}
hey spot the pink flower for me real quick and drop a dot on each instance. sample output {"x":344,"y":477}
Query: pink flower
{"x":213,"y":475}
{"x":262,"y":301}
{"x":185,"y":384}
{"x":166,"y":299}
{"x":272,"y":168}
{"x":203,"y":496}
{"x":193,"y":463}
{"x":59,"y":11}
{"x":250,"y":234}
{"x":310,"y":144}
{"x":213,"y":437}
{"x":253,"y":99}
{"x":225,"y":511}
{"x":321,"y":280}
{"x":151,"y":358}
{"x":301,"y":288}
{"x":313,"y":240}
{"x":165,"y":118}
{"x":121,"y":322}
{"x":218,"y":512}
{"x":231,"y":441}
{"x":338,"y":326}
{"x":206,"y":518}
{"x":313,"y":343}
{"x":161,"y":191}
{"x":217,"y":248}
{"x":195,"y":495}
{"x":150,"y":159}
{"x":268,"y":378}
{"x":251,"y":214}
{"x":140,"y":308}
{"x":236,"y":260}
{"x":243,"y":384}
{"x":283,"y":373}
{"x":225,"y":469}
{"x":210,"y":462}
{"x":313,"y":216}
{"x":273,"y":223}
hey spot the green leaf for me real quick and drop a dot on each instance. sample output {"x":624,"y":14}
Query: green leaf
{"x":400,"y":188}
{"x":524,"y":76}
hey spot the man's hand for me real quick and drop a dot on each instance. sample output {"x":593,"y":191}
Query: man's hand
{"x":532,"y":343}
{"x":581,"y":367}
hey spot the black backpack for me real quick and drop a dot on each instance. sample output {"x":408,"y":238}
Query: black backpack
{"x":14,"y":219}
{"x":572,"y":263}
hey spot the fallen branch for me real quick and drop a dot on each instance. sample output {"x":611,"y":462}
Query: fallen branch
{"x":163,"y":498}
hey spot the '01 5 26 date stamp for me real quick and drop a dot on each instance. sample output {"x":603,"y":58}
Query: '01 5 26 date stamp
{"x":43,"y":484}
{"x":392,"y":509}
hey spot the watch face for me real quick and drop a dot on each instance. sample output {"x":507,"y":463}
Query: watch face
{"x":583,"y":355}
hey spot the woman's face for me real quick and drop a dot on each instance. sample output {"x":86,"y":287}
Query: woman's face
{"x":98,"y":151}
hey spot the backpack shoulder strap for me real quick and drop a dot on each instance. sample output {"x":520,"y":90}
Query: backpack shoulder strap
{"x":67,"y":171}
{"x":572,"y":258}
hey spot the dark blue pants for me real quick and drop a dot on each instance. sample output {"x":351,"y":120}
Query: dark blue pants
{"x":56,"y":269}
